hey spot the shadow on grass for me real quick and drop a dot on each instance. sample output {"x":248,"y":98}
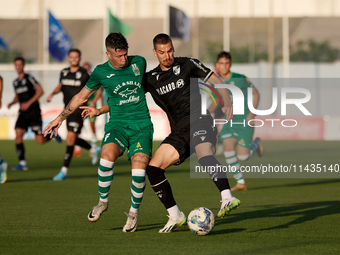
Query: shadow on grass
{"x":303,"y":211}
{"x":326,"y":181}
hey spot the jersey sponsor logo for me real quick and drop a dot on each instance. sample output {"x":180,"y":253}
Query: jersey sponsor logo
{"x":119,"y":86}
{"x":135,"y":69}
{"x":180,"y":83}
{"x":170,"y":87}
{"x":127,"y":92}
{"x":200,"y":132}
{"x":109,"y":76}
{"x":21,"y":90}
{"x":199,"y":65}
{"x":176,"y":70}
{"x":69,"y":82}
{"x":131,"y":99}
{"x":78,"y":75}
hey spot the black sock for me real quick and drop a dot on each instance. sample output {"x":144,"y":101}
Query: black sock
{"x":83,"y":143}
{"x":20,"y":151}
{"x":161,"y":186}
{"x":68,"y":155}
{"x":219,"y":178}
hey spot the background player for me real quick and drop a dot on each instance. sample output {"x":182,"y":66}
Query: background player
{"x":237,"y":137}
{"x":72,"y":80}
{"x":3,"y":165}
{"x":185,"y":122}
{"x":129,"y":127}
{"x":27,"y":93}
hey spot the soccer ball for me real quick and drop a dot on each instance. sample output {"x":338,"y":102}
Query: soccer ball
{"x":201,"y":221}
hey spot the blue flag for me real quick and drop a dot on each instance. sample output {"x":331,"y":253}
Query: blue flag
{"x":59,"y":41}
{"x":3,"y":44}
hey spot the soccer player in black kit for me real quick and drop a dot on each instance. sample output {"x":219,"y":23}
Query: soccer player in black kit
{"x":72,"y":80}
{"x":169,"y":85}
{"x":27,"y":93}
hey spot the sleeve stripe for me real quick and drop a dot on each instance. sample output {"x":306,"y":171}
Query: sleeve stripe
{"x":89,"y":88}
{"x":33,"y":81}
{"x":208,"y":76}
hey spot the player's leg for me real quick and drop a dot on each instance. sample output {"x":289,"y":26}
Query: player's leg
{"x":165,"y":156}
{"x":205,"y":149}
{"x":20,"y":149}
{"x":231,"y":159}
{"x":3,"y":171}
{"x":93,"y":129}
{"x":70,"y":141}
{"x":110,"y":152}
{"x":139,"y":152}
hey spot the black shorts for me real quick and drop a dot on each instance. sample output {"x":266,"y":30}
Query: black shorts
{"x":30,"y":118}
{"x":75,"y":122}
{"x":186,"y":138}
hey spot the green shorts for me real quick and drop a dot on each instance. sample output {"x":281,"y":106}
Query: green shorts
{"x":135,"y":137}
{"x":243,"y":134}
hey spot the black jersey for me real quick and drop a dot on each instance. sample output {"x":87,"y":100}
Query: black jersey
{"x":72,"y":83}
{"x":25,"y":89}
{"x":172,"y":92}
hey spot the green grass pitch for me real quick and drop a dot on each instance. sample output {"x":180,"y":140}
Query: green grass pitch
{"x":277,"y":216}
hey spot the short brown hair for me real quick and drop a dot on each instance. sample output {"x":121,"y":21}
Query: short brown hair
{"x":223,"y":54}
{"x":161,"y":39}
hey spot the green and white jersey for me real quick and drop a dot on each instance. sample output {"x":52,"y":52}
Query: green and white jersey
{"x":124,"y":89}
{"x":243,"y":83}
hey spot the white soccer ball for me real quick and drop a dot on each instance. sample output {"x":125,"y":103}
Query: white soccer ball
{"x":201,"y":221}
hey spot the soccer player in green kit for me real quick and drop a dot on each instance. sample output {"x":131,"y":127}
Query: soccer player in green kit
{"x":129,"y":126}
{"x":234,"y":136}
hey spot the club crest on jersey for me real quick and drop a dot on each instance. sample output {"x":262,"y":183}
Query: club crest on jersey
{"x":135,"y":69}
{"x":65,"y":72}
{"x":176,"y":70}
{"x":23,"y":81}
{"x":78,"y":75}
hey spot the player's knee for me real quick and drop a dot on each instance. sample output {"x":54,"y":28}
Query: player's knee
{"x":155,"y":174}
{"x":243,"y":157}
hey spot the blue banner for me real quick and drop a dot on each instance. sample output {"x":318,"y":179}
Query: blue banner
{"x":59,"y":41}
{"x":3,"y":44}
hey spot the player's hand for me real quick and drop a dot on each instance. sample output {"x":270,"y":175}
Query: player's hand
{"x":49,"y":98}
{"x":250,"y":116}
{"x":24,"y":106}
{"x":228,"y":111}
{"x":9,"y":105}
{"x":89,"y":111}
{"x":0,"y":103}
{"x":52,"y":126}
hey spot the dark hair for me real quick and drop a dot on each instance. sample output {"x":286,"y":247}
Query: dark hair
{"x":223,"y":54}
{"x":20,"y":59}
{"x":75,"y":50}
{"x":161,"y":39}
{"x":116,"y":41}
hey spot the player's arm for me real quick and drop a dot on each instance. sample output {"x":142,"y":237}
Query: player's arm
{"x":98,"y":95}
{"x":55,"y":91}
{"x":73,"y":105}
{"x":92,"y":112}
{"x":38,"y":93}
{"x":227,"y":108}
{"x":256,"y":100}
{"x":14,"y":101}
